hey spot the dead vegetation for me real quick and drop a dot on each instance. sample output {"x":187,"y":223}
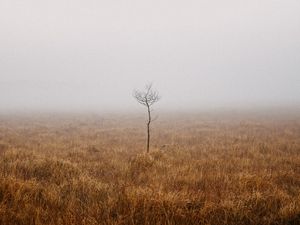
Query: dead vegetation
{"x":90,"y":170}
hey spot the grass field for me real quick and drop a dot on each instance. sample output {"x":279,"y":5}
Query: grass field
{"x":202,"y":169}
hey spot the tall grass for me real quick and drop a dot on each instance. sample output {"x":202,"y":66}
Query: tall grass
{"x":93,"y":170}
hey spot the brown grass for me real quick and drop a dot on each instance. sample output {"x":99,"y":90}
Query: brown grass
{"x":92,"y":170}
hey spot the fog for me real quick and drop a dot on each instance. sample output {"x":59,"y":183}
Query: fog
{"x":91,"y":54}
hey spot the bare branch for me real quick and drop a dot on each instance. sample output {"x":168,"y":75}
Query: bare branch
{"x":147,"y":97}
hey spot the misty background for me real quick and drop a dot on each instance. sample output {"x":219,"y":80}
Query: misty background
{"x":91,"y":54}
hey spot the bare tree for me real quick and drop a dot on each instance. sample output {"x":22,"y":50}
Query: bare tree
{"x":147,"y":98}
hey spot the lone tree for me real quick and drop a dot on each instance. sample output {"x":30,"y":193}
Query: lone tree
{"x":147,"y":98}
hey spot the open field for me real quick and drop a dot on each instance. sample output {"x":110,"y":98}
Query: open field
{"x":202,"y":169}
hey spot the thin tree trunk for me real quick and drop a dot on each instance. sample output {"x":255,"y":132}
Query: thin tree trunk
{"x":148,"y":129}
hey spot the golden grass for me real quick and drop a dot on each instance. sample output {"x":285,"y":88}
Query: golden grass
{"x":201,"y":170}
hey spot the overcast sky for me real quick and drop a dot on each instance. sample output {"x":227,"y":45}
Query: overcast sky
{"x":91,"y":54}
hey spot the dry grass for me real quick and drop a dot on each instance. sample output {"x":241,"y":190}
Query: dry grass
{"x":202,"y":170}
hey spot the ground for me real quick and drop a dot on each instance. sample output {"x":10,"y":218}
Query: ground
{"x":202,"y":169}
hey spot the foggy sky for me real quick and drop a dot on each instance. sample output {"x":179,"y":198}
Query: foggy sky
{"x":91,"y":54}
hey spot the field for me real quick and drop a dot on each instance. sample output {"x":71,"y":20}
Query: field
{"x":202,"y":169}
